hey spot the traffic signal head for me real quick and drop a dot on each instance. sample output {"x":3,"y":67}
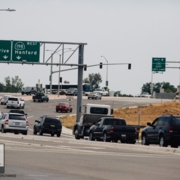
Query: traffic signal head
{"x":129,"y":66}
{"x":60,"y":79}
{"x":85,"y":67}
{"x":100,"y":65}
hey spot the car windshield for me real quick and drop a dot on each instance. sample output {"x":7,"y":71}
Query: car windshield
{"x":13,"y":99}
{"x":17,"y":117}
{"x":16,"y":111}
{"x":52,"y":121}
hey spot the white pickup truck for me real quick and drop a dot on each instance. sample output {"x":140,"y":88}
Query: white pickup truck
{"x":91,"y":114}
{"x":103,"y":92}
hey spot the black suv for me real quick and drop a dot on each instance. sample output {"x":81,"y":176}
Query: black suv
{"x":40,"y":97}
{"x":164,"y":130}
{"x":48,"y":124}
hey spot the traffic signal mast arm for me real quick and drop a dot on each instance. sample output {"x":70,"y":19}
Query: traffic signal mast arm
{"x":129,"y":66}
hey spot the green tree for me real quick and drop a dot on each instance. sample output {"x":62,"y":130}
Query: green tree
{"x":1,"y":87}
{"x":13,"y":84}
{"x":156,"y":87}
{"x":94,"y":80}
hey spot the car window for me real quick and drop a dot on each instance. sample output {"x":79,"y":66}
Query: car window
{"x":13,"y":99}
{"x":96,"y":110}
{"x":52,"y":121}
{"x":114,"y":122}
{"x":155,"y":122}
{"x":17,"y":117}
{"x":176,"y":120}
{"x":161,"y":122}
{"x":16,"y":111}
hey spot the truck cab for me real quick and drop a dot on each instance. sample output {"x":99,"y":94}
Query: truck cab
{"x":90,"y":115}
{"x":97,"y":109}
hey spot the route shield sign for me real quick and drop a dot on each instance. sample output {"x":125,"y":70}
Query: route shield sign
{"x":5,"y":50}
{"x":25,"y":51}
{"x":158,"y":64}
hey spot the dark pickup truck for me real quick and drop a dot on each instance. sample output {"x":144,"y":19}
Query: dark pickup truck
{"x":40,"y":97}
{"x":113,"y":129}
{"x":81,"y":128}
{"x":164,"y":130}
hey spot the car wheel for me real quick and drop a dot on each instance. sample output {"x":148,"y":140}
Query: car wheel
{"x":105,"y":139}
{"x":41,"y":132}
{"x":174,"y":145}
{"x":52,"y":134}
{"x":76,"y":134}
{"x":23,"y":106}
{"x":115,"y":141}
{"x":3,"y":130}
{"x":34,"y":131}
{"x":132,"y":142}
{"x":162,"y":141}
{"x":24,"y":133}
{"x":56,"y":110}
{"x":91,"y":138}
{"x":33,"y":100}
{"x":58,"y":134}
{"x":144,"y":140}
{"x":123,"y":141}
{"x":47,"y":100}
{"x":88,"y":98}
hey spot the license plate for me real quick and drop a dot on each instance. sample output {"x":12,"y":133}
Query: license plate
{"x":17,"y":123}
{"x":123,"y":135}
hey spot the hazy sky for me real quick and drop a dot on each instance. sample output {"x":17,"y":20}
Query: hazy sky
{"x":123,"y":31}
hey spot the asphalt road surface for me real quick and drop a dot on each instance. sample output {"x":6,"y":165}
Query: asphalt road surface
{"x":35,"y":157}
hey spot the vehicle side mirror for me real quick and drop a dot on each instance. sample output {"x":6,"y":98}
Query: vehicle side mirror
{"x":149,"y":124}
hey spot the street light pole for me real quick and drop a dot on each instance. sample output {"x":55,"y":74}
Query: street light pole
{"x":51,"y":72}
{"x":106,"y":84}
{"x":59,"y":74}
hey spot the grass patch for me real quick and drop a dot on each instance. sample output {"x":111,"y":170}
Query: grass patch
{"x":133,"y":115}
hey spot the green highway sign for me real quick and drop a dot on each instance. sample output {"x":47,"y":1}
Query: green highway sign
{"x":26,"y":51}
{"x":19,"y":51}
{"x":158,"y":64}
{"x":5,"y":50}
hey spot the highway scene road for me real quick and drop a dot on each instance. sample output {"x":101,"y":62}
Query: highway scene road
{"x":45,"y":157}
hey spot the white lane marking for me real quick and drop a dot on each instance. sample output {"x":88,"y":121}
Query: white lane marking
{"x":36,"y":175}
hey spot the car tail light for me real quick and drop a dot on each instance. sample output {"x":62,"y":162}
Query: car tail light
{"x":6,"y":121}
{"x":170,"y":129}
{"x":27,"y":123}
